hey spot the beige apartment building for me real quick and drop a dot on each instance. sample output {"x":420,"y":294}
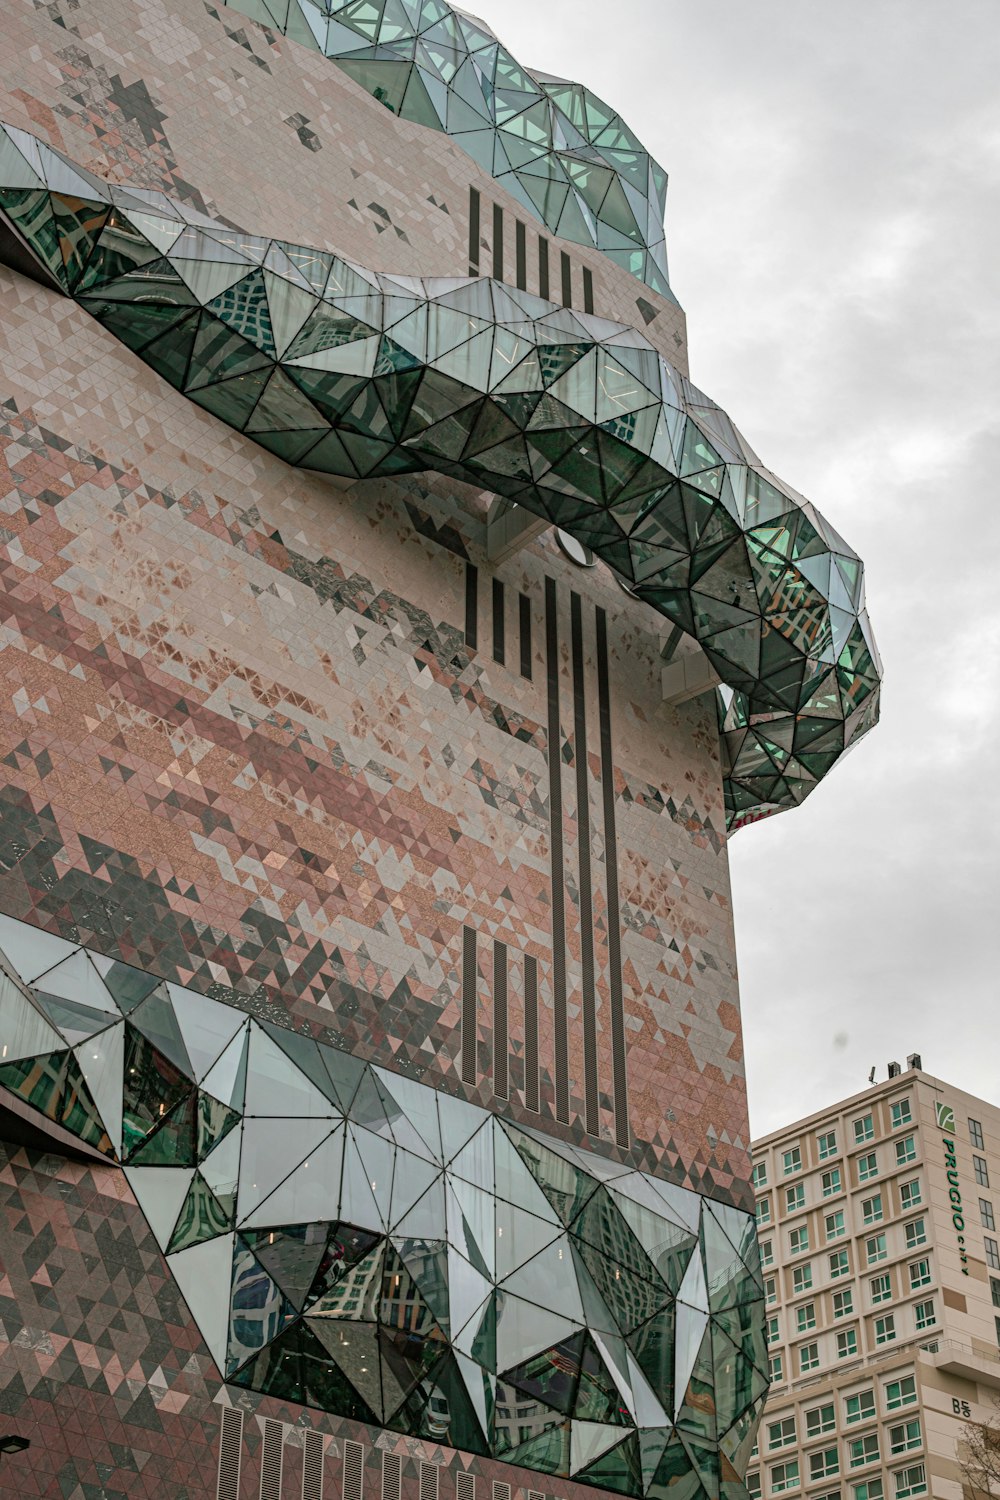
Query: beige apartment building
{"x":881,"y":1265}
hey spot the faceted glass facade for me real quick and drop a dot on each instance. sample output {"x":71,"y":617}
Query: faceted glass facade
{"x":568,"y":158}
{"x":350,"y":1239}
{"x":345,"y":372}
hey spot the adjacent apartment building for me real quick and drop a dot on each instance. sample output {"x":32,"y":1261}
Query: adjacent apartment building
{"x":881,"y":1263}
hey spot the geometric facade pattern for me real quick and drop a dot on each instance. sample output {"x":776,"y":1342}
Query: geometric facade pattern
{"x":342,"y":371}
{"x":355,"y":1241}
{"x":567,"y":157}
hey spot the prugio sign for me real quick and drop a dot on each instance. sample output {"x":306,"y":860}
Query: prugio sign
{"x":946,"y":1122}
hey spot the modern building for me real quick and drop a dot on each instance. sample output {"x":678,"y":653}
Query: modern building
{"x":881,"y":1262}
{"x":392,"y":635}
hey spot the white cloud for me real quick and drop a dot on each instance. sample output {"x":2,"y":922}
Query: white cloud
{"x":832,"y":226}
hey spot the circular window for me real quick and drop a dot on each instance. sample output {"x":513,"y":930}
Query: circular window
{"x":574,"y":550}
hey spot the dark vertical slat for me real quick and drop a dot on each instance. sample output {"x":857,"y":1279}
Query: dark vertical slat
{"x":497,"y":242}
{"x":500,"y":1070}
{"x":230,"y":1455}
{"x":471,"y":605}
{"x":588,"y":290}
{"x":272,"y":1460}
{"x":312,"y":1467}
{"x":590,"y":1092}
{"x":429,"y":1484}
{"x":618,"y":1052}
{"x":554,"y":742}
{"x":543,"y":266}
{"x":566,"y":268}
{"x":392,"y":1470}
{"x":521,"y":255}
{"x":524,"y":630}
{"x":470,"y":1007}
{"x":498,"y":622}
{"x":473,"y":232}
{"x":531,"y":1033}
{"x":354,"y":1469}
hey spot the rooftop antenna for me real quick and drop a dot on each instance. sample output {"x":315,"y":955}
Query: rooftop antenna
{"x":871,"y":1076}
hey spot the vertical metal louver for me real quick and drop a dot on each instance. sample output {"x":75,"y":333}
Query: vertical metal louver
{"x":354,"y":1469}
{"x":230,"y":1454}
{"x":272,"y":1460}
{"x":500,"y":1491}
{"x":392,"y":1469}
{"x":466,"y":1487}
{"x":312,"y":1467}
{"x":429,"y":1481}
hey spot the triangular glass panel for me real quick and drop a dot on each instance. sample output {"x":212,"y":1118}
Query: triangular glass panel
{"x":202,"y":1217}
{"x":101,"y":1061}
{"x":205,"y":1026}
{"x":310,"y":1192}
{"x":276,"y":1086}
{"x":226,"y":1079}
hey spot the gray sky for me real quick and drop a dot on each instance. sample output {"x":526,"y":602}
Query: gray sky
{"x":833,"y":227}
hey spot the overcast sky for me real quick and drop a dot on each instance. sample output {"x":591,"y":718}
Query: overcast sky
{"x":833,"y":228}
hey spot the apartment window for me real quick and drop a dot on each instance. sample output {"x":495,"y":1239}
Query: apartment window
{"x":805,"y":1317}
{"x":780,"y":1434}
{"x":920,"y":1274}
{"x":847,"y":1343}
{"x":916,"y":1234}
{"x":820,"y":1419}
{"x":826,"y":1145}
{"x":777,"y":1369}
{"x":771,"y":1330}
{"x":885,"y":1329}
{"x":904,"y":1437}
{"x":900,"y":1393}
{"x":832,"y":1182}
{"x":859,"y":1408}
{"x":840,"y":1264}
{"x":901,"y":1112}
{"x":770,"y":1291}
{"x":875,"y":1248}
{"x":835,"y":1225}
{"x":763,"y":1210}
{"x":798,"y":1240}
{"x":871,"y":1489}
{"x":909,"y":1195}
{"x":863,"y":1450}
{"x":760,"y":1174}
{"x":996,"y":1325}
{"x":824,"y":1464}
{"x":880,"y":1288}
{"x":911,"y":1481}
{"x":906,"y":1150}
{"x":808,"y":1357}
{"x":795,"y":1198}
{"x":924,"y":1314}
{"x":784,"y":1476}
{"x":995,"y":1291}
{"x":843,"y":1304}
{"x":766,"y":1252}
{"x":864,"y":1130}
{"x":867,"y":1167}
{"x":992,"y":1253}
{"x":976,"y":1135}
{"x":986,"y":1214}
{"x":791,"y":1161}
{"x":980,"y":1170}
{"x":802,"y":1279}
{"x":753,"y":1485}
{"x":871,"y":1209}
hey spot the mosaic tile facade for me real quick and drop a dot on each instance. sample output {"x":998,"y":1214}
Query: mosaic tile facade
{"x":360,"y":1243}
{"x":306,"y":751}
{"x":103,"y":1367}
